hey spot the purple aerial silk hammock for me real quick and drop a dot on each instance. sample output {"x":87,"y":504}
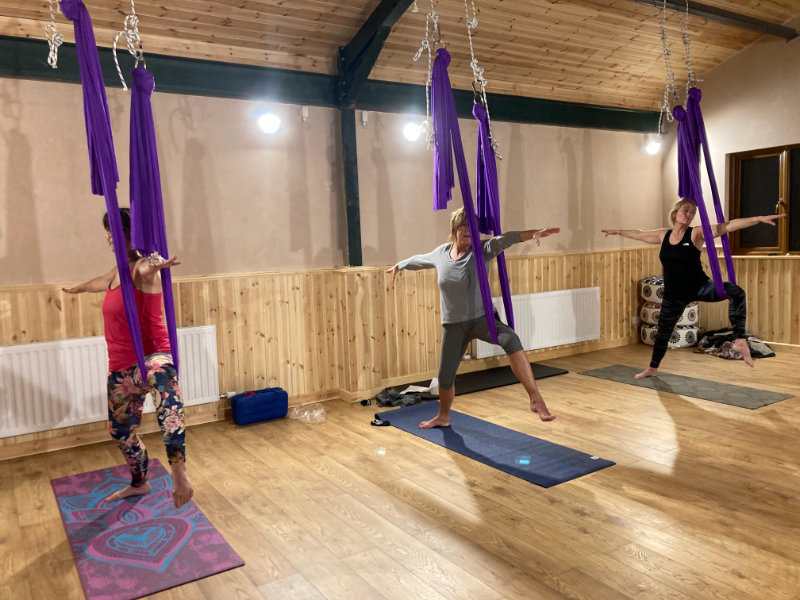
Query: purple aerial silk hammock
{"x":447,"y":144}
{"x":148,"y":230}
{"x":102,"y":160}
{"x":691,"y":136}
{"x":487,"y":197}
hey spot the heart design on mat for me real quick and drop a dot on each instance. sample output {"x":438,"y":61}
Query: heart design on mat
{"x":149,"y":544}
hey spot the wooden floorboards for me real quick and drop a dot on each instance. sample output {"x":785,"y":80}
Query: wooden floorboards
{"x":702,"y":503}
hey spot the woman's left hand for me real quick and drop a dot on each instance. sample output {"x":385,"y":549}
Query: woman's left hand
{"x":155,"y":262}
{"x":770,"y":219}
{"x":540,"y":233}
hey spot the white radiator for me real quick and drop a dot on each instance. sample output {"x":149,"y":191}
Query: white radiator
{"x":49,"y":385}
{"x":550,"y":319}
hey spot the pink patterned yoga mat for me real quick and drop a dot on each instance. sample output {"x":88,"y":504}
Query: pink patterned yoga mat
{"x":139,"y":545}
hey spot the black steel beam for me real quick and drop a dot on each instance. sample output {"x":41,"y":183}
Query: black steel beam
{"x":356,"y":60}
{"x":724,"y":16}
{"x":386,"y":14}
{"x":25,"y":58}
{"x":351,"y":196}
{"x":387,"y":96}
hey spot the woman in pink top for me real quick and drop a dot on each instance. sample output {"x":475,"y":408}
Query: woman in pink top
{"x":126,"y":392}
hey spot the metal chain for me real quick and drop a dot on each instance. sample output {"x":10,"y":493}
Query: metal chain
{"x":133,"y":41}
{"x":431,"y":24}
{"x":478,"y":80}
{"x":670,"y":89}
{"x":691,"y":81}
{"x":54,"y":39}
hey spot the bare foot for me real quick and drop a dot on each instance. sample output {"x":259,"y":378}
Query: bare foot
{"x":539,"y":407}
{"x":182,"y":490}
{"x":437,"y":421}
{"x":742,"y":347}
{"x":648,"y":372}
{"x":129,"y":491}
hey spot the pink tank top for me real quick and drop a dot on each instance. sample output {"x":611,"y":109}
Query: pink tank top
{"x":155,"y":337}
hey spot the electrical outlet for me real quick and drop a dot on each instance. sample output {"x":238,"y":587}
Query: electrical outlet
{"x":635,"y":319}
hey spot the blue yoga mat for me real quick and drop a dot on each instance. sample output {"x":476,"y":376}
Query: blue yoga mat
{"x":524,"y":456}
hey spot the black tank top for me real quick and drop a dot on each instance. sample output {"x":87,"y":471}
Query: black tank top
{"x":683,"y":273}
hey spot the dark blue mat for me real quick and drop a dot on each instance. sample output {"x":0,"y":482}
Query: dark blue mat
{"x":529,"y":458}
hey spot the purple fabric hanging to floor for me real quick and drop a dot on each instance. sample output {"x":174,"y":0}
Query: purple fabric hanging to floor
{"x":102,"y":160}
{"x":691,"y":136}
{"x":447,"y":144}
{"x":487,"y":196}
{"x":148,"y":230}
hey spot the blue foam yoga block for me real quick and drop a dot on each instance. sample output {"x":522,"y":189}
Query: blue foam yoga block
{"x":260,"y":405}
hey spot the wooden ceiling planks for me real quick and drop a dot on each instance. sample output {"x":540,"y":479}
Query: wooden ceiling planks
{"x":605,"y":52}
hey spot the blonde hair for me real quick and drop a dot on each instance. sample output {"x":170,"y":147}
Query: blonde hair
{"x":677,"y":206}
{"x":457,"y":219}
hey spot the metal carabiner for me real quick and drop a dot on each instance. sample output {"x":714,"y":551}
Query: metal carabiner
{"x":478,"y":93}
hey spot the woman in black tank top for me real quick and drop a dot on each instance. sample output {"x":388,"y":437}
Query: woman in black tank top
{"x":684,"y":278}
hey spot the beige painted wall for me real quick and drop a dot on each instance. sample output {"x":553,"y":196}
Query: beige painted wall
{"x":750,"y":101}
{"x":236,"y":200}
{"x":580,"y":180}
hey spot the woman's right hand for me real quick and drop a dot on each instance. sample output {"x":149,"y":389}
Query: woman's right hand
{"x":78,"y":289}
{"x":393,"y":270}
{"x":609,"y":232}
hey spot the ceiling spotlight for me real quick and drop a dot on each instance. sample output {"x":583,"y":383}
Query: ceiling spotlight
{"x":412,"y":131}
{"x":269,"y":123}
{"x":653,"y":146}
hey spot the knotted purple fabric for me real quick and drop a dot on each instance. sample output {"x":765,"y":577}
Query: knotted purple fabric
{"x":148,"y":229}
{"x":102,"y":160}
{"x":487,"y":196}
{"x":691,"y":137}
{"x":447,"y":144}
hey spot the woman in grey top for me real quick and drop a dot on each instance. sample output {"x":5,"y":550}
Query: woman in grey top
{"x":463,"y":317}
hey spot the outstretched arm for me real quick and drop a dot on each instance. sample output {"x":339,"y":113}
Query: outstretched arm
{"x":415,"y":263}
{"x":537,"y":234}
{"x":737,"y":224}
{"x":149,"y":270}
{"x":652,"y":236}
{"x":96,"y":285}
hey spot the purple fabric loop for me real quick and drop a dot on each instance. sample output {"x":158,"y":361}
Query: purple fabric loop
{"x":691,"y":136}
{"x":102,"y":160}
{"x":148,"y":229}
{"x":488,"y":200}
{"x":447,"y":144}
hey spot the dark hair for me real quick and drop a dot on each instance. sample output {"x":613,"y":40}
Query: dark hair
{"x":124,"y":215}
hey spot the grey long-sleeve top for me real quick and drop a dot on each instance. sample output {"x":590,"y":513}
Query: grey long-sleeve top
{"x":460,"y":293}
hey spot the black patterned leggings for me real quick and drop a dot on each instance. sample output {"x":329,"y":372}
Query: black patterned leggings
{"x":671,"y":311}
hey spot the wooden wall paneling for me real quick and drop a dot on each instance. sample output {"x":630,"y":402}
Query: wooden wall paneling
{"x":244,"y":332}
{"x":390,"y":309}
{"x":257,"y":332}
{"x":348,"y":331}
{"x":285,"y":334}
{"x":340,"y":321}
{"x":793,"y":304}
{"x":316,"y":348}
{"x":779,"y":298}
{"x":268,"y":302}
{"x":411,"y":340}
{"x":319,"y":345}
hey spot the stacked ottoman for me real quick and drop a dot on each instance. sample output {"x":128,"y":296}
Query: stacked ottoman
{"x":685,"y":334}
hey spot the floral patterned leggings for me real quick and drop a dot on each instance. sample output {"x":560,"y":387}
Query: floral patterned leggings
{"x":126,"y":397}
